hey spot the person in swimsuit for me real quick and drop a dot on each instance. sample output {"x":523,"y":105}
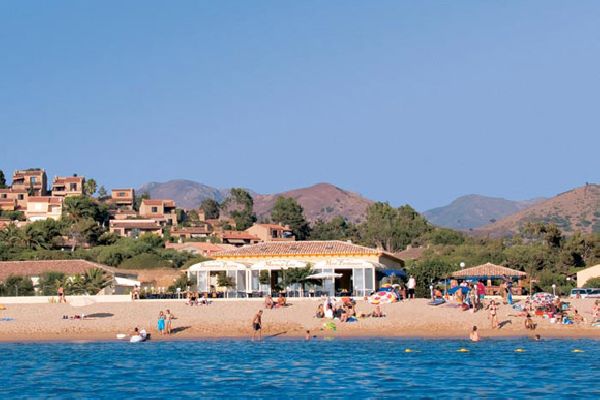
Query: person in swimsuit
{"x":269,"y":302}
{"x":161,"y":323}
{"x":529,"y":322}
{"x":493,"y":314}
{"x":169,"y":318}
{"x":61,"y":295}
{"x":257,"y":325}
{"x":474,"y":335}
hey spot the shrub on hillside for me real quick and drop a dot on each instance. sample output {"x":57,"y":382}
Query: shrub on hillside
{"x":592,"y":283}
{"x":145,"y":261}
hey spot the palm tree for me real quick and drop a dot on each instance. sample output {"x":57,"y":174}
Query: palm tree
{"x":95,"y":280}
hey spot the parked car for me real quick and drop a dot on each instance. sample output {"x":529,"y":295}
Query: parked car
{"x":593,"y":294}
{"x":580,"y":293}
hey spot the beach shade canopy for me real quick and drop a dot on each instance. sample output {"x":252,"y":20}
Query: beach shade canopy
{"x":385,"y":294}
{"x":455,"y":289}
{"x":488,"y":271}
{"x":81,"y":301}
{"x":397,"y":272}
{"x":324,"y":275}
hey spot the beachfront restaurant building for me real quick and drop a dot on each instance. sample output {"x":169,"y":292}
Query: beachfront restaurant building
{"x":256,"y":270}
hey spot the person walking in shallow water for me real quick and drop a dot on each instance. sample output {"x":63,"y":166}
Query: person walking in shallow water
{"x":257,"y":325}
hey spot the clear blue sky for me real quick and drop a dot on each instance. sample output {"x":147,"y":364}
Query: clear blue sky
{"x":411,"y":102}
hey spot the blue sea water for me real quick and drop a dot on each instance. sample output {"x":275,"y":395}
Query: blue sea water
{"x":280,"y":368}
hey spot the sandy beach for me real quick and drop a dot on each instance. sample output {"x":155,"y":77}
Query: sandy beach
{"x":221,"y":319}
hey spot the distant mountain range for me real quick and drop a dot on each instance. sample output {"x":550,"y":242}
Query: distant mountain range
{"x":578,"y":209}
{"x":474,"y":211}
{"x":321,"y":201}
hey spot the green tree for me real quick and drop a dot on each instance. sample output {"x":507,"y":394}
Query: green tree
{"x":392,"y":228}
{"x":17,"y":285}
{"x":592,"y":283}
{"x":241,"y":205}
{"x":95,"y":280}
{"x":102,"y":193}
{"x":84,"y":231}
{"x":211,"y":208}
{"x":42,"y":234}
{"x":89,"y":187}
{"x":2,"y":180}
{"x":82,"y":207}
{"x":137,"y":201}
{"x":287,"y":211}
{"x":297,"y":276}
{"x":336,"y":229}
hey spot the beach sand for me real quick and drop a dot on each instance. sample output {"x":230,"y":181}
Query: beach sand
{"x":221,"y":319}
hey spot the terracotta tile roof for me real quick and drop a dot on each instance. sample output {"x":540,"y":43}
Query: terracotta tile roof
{"x":191,"y":230}
{"x":238,"y":235}
{"x":35,"y":268}
{"x":135,"y":224}
{"x":67,"y":179}
{"x":488,"y":270}
{"x":159,"y":202}
{"x":203,"y":247}
{"x":309,"y":247}
{"x":45,"y":199}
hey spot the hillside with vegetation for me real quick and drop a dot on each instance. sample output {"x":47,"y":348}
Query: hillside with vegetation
{"x":572,"y":211}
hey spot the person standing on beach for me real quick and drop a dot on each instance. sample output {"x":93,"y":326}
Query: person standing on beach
{"x":257,"y":325}
{"x":60,"y":292}
{"x":493,"y":314}
{"x":169,"y":318}
{"x":161,"y":323}
{"x":412,"y":284}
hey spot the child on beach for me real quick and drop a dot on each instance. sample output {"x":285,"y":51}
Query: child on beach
{"x":161,"y":323}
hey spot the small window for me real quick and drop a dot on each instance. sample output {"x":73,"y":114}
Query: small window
{"x":33,"y":180}
{"x":73,"y":187}
{"x":3,"y":195}
{"x":120,"y":194}
{"x":20,"y":197}
{"x":154,"y":209}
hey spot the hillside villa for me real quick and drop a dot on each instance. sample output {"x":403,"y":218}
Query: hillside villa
{"x":258,"y":269}
{"x":63,"y":186}
{"x":271,"y":232}
{"x":33,"y":179}
{"x":237,"y":238}
{"x":159,"y":209}
{"x":40,"y":208}
{"x":135,"y":227}
{"x":123,"y":198}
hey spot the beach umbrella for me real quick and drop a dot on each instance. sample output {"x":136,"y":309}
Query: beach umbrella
{"x":81,"y":301}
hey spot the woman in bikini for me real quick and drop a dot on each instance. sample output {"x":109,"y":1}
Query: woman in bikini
{"x":493,"y":314}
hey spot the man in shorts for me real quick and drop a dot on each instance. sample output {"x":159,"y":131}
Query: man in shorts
{"x":257,"y":325}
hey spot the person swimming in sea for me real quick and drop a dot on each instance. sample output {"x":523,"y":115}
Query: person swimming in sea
{"x":474,"y":335}
{"x":307,"y":336}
